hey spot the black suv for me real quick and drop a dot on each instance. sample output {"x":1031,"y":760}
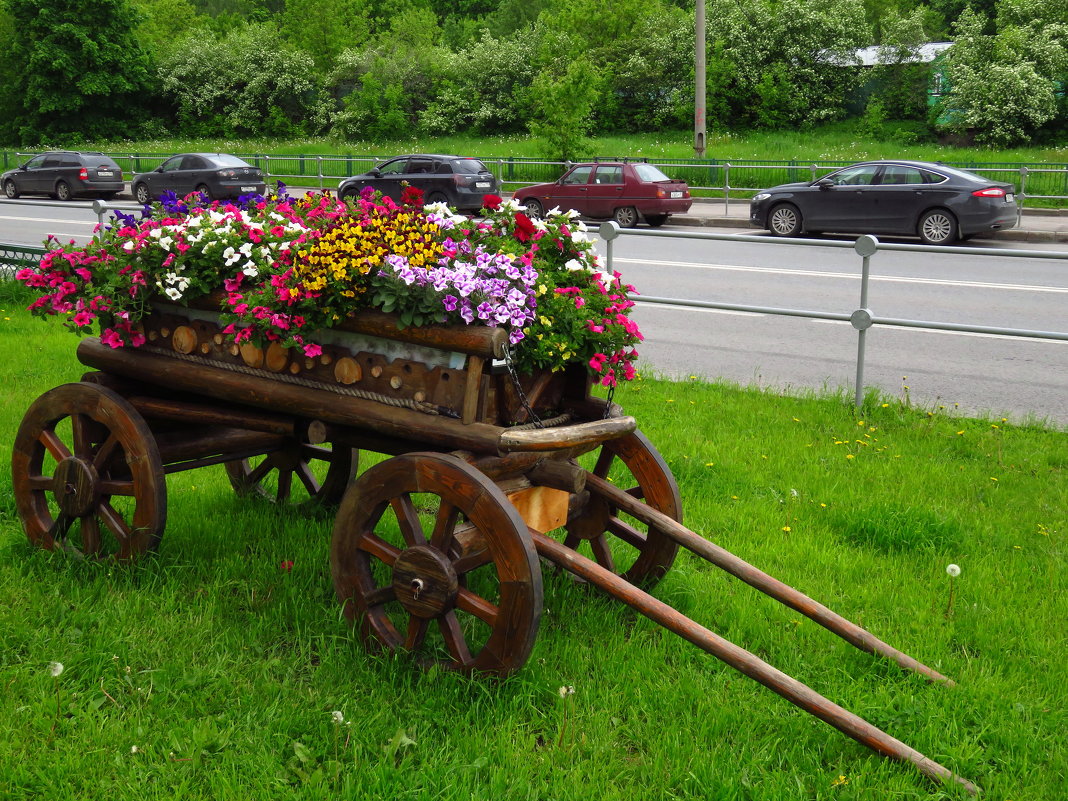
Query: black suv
{"x":458,"y":181}
{"x":65,"y":174}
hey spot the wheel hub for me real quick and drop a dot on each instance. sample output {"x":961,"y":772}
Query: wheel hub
{"x":424,"y":582}
{"x":75,"y":486}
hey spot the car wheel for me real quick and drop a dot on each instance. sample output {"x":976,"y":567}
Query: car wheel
{"x":785,"y":220}
{"x":656,"y":220}
{"x":10,"y":189}
{"x":437,"y":197}
{"x":534,"y":208}
{"x":626,"y":216}
{"x":203,"y":189}
{"x":63,"y":190}
{"x":938,"y":227}
{"x":142,"y":195}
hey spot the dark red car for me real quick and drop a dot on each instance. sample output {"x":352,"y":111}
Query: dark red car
{"x":618,"y":190}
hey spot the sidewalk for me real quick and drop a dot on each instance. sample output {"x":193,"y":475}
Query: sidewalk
{"x":1036,"y":225}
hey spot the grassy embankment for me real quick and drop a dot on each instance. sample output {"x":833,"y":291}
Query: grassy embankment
{"x":207,"y":672}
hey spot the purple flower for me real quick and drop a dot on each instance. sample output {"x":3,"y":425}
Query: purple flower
{"x":450,"y":302}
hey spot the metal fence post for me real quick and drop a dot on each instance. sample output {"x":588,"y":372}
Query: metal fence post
{"x":1023,"y":195}
{"x":727,"y":187}
{"x":319,"y":167}
{"x":608,"y":231}
{"x":861,"y":319}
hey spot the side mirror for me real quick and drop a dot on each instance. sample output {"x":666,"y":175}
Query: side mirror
{"x":375,"y":172}
{"x":824,"y":183}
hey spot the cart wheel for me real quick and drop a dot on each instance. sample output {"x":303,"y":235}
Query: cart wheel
{"x":429,"y":556}
{"x":322,"y":474}
{"x":84,"y":455}
{"x":641,"y":555}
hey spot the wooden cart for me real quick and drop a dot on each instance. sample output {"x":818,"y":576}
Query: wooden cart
{"x":436,"y":548}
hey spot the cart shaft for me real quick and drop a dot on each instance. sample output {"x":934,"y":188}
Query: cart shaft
{"x":741,"y":660}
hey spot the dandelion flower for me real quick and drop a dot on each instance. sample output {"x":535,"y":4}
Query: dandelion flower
{"x":54,"y":669}
{"x":565,"y":691}
{"x":338,"y":717}
{"x":953,"y":570}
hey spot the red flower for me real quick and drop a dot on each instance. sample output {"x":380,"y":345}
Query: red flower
{"x":492,"y":202}
{"x":412,"y":196}
{"x":524,"y":227}
{"x":287,"y":565}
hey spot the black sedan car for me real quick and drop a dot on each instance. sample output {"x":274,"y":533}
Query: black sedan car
{"x":939,"y":204}
{"x":215,"y":175}
{"x":65,"y":174}
{"x":458,"y":181}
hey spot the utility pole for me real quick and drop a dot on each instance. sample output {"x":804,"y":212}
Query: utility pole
{"x":699,"y":129}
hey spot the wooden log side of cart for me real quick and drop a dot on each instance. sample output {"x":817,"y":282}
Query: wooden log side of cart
{"x":436,"y":550}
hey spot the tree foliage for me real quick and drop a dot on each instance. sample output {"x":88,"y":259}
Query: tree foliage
{"x":371,"y":69}
{"x":78,"y":70}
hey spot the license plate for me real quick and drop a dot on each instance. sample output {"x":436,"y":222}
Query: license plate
{"x":676,"y":194}
{"x":248,"y":189}
{"x":482,"y":184}
{"x":105,"y":174}
{"x":1010,"y":198}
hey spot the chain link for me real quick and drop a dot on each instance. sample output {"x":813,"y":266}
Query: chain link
{"x":519,"y":387}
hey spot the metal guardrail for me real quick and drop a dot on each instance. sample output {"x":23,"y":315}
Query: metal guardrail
{"x":14,"y":257}
{"x":862,"y":318}
{"x":1035,"y":181}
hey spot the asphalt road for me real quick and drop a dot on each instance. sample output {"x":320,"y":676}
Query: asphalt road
{"x":987,"y":374}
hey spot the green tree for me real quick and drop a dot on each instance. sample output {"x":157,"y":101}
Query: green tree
{"x":1003,"y":86}
{"x":901,"y":82}
{"x":244,"y":83}
{"x":80,"y":71}
{"x":323,"y":28}
{"x":562,"y":106}
{"x":788,"y":60}
{"x":163,"y":23}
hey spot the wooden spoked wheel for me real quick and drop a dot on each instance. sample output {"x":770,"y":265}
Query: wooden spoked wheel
{"x":87,"y":474}
{"x":298,"y":474}
{"x":618,"y":542}
{"x":429,"y":557}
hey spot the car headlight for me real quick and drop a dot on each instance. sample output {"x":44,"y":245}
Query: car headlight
{"x":761,"y":196}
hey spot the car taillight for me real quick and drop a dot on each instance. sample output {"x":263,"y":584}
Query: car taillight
{"x":227,"y":174}
{"x":992,"y":191}
{"x":83,"y":174}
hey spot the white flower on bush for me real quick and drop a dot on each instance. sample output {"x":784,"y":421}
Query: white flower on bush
{"x":232,"y":256}
{"x":250,"y":269}
{"x":575,"y":265}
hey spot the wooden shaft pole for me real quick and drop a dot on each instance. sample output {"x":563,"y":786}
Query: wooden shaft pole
{"x":741,"y":660}
{"x":784,"y":593}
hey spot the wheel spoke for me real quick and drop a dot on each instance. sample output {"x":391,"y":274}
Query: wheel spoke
{"x":408,"y":520}
{"x":91,"y":544}
{"x":626,"y":532}
{"x":379,"y":596}
{"x":454,"y":639}
{"x":604,"y":463}
{"x":417,"y":628}
{"x":285,"y":484}
{"x":115,"y":487}
{"x":572,"y":541}
{"x":55,"y":446}
{"x":40,"y":483}
{"x":261,"y":471}
{"x":79,"y":427}
{"x":477,"y":606}
{"x":444,"y":526}
{"x":60,"y":526}
{"x":308,"y":479}
{"x":379,"y":548}
{"x":113,"y":520}
{"x":106,"y":452}
{"x":473,"y":561}
{"x":602,"y":553}
{"x":322,"y":453}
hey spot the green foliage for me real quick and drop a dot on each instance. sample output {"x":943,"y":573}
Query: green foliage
{"x":562,"y":106}
{"x":244,"y":82}
{"x":782,"y":63}
{"x":1003,"y":85}
{"x":323,"y":28}
{"x":77,"y":71}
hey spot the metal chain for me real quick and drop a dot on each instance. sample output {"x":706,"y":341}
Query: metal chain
{"x":608,"y":403}
{"x":519,"y":387}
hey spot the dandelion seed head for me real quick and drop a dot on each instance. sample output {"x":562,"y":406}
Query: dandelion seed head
{"x":337,"y":717}
{"x":54,"y":669}
{"x":953,"y":570}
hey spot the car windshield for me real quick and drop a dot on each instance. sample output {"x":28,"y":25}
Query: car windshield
{"x":649,"y":173}
{"x":471,"y":166}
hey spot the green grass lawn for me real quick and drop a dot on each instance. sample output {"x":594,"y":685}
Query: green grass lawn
{"x":208,"y":672}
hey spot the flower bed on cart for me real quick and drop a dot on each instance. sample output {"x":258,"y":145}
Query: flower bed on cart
{"x":281,"y":270}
